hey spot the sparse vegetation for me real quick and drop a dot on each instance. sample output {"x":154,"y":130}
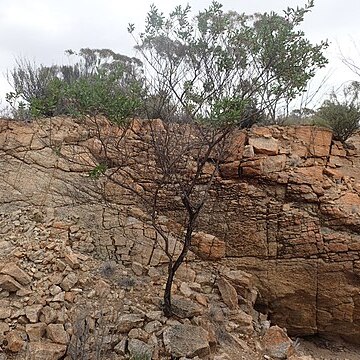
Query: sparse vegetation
{"x":342,"y":112}
{"x":100,"y":82}
{"x":97,"y":171}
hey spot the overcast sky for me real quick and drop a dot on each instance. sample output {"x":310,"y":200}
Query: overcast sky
{"x":41,"y":30}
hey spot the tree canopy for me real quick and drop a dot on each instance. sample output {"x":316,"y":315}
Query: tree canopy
{"x":221,"y":67}
{"x":224,"y":66}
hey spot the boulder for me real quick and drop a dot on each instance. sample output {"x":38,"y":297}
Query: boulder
{"x":72,"y":260}
{"x":230,"y":170}
{"x":57,"y":333}
{"x":186,"y":340}
{"x":185,"y":308}
{"x":120,"y":347}
{"x":15,"y":272}
{"x":48,"y":315}
{"x":8,"y":283}
{"x":15,"y":341}
{"x":207,"y":246}
{"x":228,"y":293}
{"x":243,"y":322}
{"x":127,"y":322}
{"x":277,"y":344}
{"x":32,"y":312}
{"x":46,"y":351}
{"x":264,"y":145}
{"x":5,"y":309}
{"x":35,"y":332}
{"x":69,"y":281}
{"x":139,"y":349}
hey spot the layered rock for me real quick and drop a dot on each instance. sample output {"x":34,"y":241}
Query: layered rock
{"x":286,"y":208}
{"x":298,"y":227}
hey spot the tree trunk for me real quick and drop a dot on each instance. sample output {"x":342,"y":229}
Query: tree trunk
{"x":167,"y":293}
{"x":172,"y":268}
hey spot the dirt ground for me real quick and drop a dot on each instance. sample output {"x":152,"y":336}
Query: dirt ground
{"x":323,"y":349}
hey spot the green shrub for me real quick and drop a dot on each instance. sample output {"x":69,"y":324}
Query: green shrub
{"x":100,"y":94}
{"x":99,"y":82}
{"x":342,"y":116}
{"x":51,"y":103}
{"x":97,"y":171}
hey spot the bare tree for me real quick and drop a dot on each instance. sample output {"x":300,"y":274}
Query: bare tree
{"x":187,"y":163}
{"x":178,"y":167}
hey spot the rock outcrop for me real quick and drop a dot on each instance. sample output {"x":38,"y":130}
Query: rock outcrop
{"x":286,"y":209}
{"x":298,"y":227}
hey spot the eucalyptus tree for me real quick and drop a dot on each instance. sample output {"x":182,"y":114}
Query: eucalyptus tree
{"x":219,"y":64}
{"x":216,"y":71}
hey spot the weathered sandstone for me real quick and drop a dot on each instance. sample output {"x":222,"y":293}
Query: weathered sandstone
{"x":286,"y":209}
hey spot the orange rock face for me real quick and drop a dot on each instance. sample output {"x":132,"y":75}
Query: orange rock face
{"x":284,"y":207}
{"x":207,"y":246}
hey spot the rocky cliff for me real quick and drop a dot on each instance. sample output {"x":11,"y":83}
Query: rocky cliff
{"x":286,"y":209}
{"x":292,"y":210}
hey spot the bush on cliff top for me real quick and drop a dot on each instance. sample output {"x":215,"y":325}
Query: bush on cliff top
{"x":342,"y":113}
{"x":99,"y":82}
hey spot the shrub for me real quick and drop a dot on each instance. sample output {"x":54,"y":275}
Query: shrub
{"x":100,"y":94}
{"x":342,"y":115}
{"x":51,"y":102}
{"x":29,"y":80}
{"x":99,"y":82}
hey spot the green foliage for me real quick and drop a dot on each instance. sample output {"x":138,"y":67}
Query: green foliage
{"x":99,"y":94}
{"x":97,"y":171}
{"x":214,"y":64}
{"x":342,"y":114}
{"x":235,"y":110}
{"x":51,"y":102}
{"x":57,"y":150}
{"x":99,"y":82}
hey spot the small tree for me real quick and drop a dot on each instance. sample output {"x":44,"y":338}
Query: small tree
{"x":220,"y":60}
{"x":218,"y":71}
{"x":182,"y":162}
{"x":342,"y":112}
